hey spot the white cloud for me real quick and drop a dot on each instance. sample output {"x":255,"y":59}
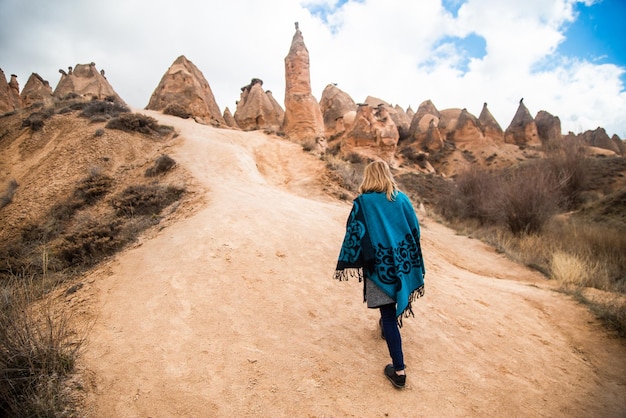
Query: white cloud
{"x":391,"y":49}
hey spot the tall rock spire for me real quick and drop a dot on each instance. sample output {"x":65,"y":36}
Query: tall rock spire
{"x":303,"y":117}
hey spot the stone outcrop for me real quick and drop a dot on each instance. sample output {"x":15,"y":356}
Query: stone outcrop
{"x":621,"y":146}
{"x":548,"y":128}
{"x":400,"y":119}
{"x":229,"y":118}
{"x":335,"y":104}
{"x":600,"y":139}
{"x":489,"y":125}
{"x":183,"y":84}
{"x":303,"y":118}
{"x":9,"y":93}
{"x":36,"y":90}
{"x":84,"y":80}
{"x":372,"y":134}
{"x":420,"y":122}
{"x":466,"y":130}
{"x":523,"y":129}
{"x":256,"y":109}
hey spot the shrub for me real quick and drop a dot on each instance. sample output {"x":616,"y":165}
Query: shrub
{"x":163,"y":164}
{"x":529,"y":198}
{"x":38,"y":350}
{"x":136,"y":122}
{"x":148,"y":199}
{"x":92,"y":241}
{"x":177,"y":110}
{"x":92,"y":188}
{"x":8,"y":194}
{"x":471,"y":196}
{"x":35,"y":121}
{"x":100,"y":108}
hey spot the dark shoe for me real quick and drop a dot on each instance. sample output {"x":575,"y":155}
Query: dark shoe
{"x":382,"y":331}
{"x":395,"y":379}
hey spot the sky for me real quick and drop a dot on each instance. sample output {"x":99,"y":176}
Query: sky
{"x":566,"y":57}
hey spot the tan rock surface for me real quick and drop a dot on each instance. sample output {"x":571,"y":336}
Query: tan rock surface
{"x":36,"y":90}
{"x":232,"y":311}
{"x":257,"y":110}
{"x":86,"y":81}
{"x":548,"y":128}
{"x":335,"y":104}
{"x":489,"y":125}
{"x":373,"y":134}
{"x":303,"y":118}
{"x":9,"y":93}
{"x":183,"y":84}
{"x":522,"y":130}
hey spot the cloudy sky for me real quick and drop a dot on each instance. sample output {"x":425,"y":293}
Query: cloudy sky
{"x":567,"y":57}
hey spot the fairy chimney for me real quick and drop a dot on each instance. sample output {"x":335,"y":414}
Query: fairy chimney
{"x":372,"y":134}
{"x":184,"y":85}
{"x":489,"y":125}
{"x":303,"y":118}
{"x":256,"y":110}
{"x":36,"y":90}
{"x":87,"y":82}
{"x":229,"y":118}
{"x":523,"y":129}
{"x":548,"y":128}
{"x":9,"y":93}
{"x":335,"y":103}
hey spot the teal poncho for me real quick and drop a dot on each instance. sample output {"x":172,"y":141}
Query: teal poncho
{"x":382,"y":242}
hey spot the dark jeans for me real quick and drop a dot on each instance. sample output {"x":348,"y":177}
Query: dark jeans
{"x":392,"y":335}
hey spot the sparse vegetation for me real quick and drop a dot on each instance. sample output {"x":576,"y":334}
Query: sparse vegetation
{"x":7,"y":197}
{"x":175,"y":109}
{"x":39,"y":347}
{"x":36,"y":120}
{"x":142,"y":199}
{"x":163,"y":164}
{"x":517,"y":211}
{"x":136,"y":122}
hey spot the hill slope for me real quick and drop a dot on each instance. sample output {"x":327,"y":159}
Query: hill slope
{"x":232,"y":311}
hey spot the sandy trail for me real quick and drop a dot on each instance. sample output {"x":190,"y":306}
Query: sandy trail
{"x":232,"y":311}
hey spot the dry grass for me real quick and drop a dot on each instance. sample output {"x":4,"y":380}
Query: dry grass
{"x":39,"y":347}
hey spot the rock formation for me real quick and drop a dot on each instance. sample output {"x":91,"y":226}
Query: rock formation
{"x":598,"y":138}
{"x":523,"y":129}
{"x":400,"y":119}
{"x":548,"y":128}
{"x":621,"y":146}
{"x":335,"y":104}
{"x":184,"y":84}
{"x":303,"y":118}
{"x":489,"y":125}
{"x":466,"y":130}
{"x":421,"y":119}
{"x":257,"y":110}
{"x":229,"y":118}
{"x":36,"y":90}
{"x":372,"y":134}
{"x":9,"y":93}
{"x":87,"y":82}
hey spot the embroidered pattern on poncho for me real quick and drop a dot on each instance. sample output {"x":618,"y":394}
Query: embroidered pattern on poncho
{"x":382,"y":243}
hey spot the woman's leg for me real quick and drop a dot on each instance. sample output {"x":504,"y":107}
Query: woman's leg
{"x":392,"y":335}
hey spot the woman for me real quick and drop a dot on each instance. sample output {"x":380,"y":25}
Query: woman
{"x":382,"y":245}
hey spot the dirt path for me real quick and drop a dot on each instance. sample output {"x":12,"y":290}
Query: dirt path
{"x":232,"y":311}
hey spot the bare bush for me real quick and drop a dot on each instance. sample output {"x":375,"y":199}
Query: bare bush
{"x":38,"y":351}
{"x":529,"y":197}
{"x":175,"y":109}
{"x":163,"y":164}
{"x":148,"y":199}
{"x":471,"y":196}
{"x":7,"y":197}
{"x":136,"y":122}
{"x":101,"y":108}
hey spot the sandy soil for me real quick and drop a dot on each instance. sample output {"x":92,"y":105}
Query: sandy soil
{"x":232,"y":311}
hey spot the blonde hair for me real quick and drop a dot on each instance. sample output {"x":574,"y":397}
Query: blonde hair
{"x":377,"y":177}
